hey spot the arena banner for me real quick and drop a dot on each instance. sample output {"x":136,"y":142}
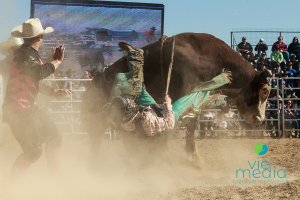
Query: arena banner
{"x":91,"y":30}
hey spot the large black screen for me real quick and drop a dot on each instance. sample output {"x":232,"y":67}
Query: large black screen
{"x":91,"y":30}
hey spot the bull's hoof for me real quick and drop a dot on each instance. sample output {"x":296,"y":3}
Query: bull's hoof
{"x":195,"y":159}
{"x":125,"y":46}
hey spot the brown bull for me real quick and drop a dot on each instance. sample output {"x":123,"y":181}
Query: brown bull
{"x":197,"y":58}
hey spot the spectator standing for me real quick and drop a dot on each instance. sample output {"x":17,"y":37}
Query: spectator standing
{"x":282,"y":48}
{"x":294,"y":48}
{"x":273,"y":80}
{"x":30,"y":126}
{"x":287,"y":84}
{"x":261,"y":47}
{"x":290,"y":114}
{"x":207,"y":127}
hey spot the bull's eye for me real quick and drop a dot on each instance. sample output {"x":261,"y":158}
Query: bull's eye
{"x":264,"y":93}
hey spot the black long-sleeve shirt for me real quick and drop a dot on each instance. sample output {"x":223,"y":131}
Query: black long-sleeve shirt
{"x":261,"y":46}
{"x":26,"y":71}
{"x":294,"y":48}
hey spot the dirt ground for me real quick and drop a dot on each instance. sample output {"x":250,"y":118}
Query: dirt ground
{"x":153,"y":170}
{"x":282,"y":153}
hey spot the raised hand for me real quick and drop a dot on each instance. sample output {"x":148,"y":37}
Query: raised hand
{"x":59,"y":53}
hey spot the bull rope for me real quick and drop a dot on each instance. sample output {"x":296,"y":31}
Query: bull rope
{"x":170,"y":67}
{"x":162,"y":40}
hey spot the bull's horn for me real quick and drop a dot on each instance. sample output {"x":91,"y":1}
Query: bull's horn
{"x":257,"y":120}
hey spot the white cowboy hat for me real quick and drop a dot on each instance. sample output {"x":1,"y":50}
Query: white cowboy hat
{"x":30,"y":28}
{"x":10,"y":44}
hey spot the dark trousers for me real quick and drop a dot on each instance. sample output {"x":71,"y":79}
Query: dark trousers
{"x":32,"y":128}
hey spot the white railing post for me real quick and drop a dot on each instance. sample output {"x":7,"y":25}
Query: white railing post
{"x":69,"y":114}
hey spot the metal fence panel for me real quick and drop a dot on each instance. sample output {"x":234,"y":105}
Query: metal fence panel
{"x":282,"y":119}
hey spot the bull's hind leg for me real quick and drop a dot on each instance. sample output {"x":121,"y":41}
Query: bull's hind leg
{"x":190,"y":145}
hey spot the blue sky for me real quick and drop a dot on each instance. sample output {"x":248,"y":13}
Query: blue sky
{"x":217,"y":17}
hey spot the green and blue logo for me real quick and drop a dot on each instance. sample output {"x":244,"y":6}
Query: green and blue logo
{"x":261,"y":168}
{"x":261,"y":149}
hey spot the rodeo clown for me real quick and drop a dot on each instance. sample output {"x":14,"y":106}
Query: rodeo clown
{"x":133,"y":109}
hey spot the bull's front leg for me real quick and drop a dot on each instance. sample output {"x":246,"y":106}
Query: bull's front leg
{"x":190,"y":145}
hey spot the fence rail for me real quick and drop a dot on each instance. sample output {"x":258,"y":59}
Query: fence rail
{"x":282,"y":114}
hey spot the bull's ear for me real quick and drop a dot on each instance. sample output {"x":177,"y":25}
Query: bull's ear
{"x":262,"y":76}
{"x":265,"y":74}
